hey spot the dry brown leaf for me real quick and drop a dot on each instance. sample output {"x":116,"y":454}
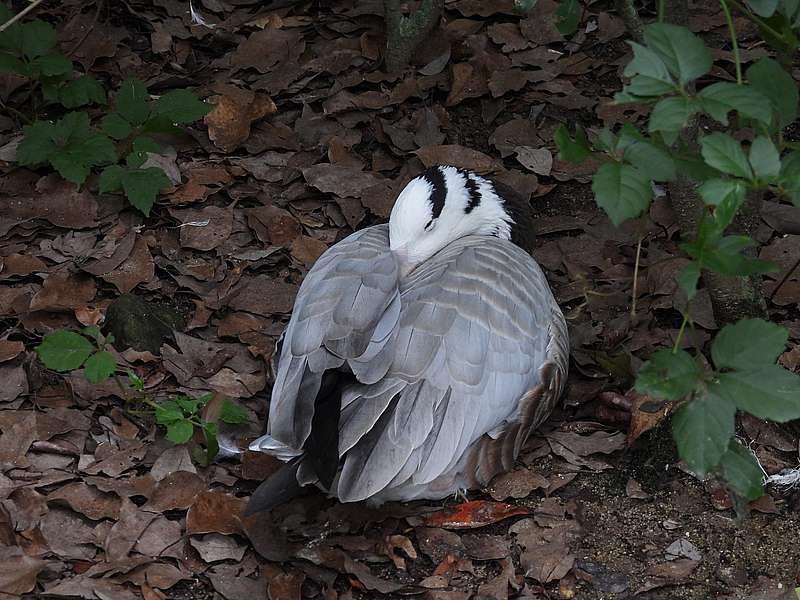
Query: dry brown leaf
{"x":674,"y":572}
{"x":64,"y":292}
{"x":215,"y":547}
{"x":204,"y":229}
{"x":18,"y":571}
{"x":137,"y":268}
{"x":307,"y":250}
{"x":234,"y":110}
{"x":215,"y":512}
{"x":176,"y":490}
{"x":341,"y":181}
{"x":87,"y":500}
{"x":547,"y":562}
{"x":516,"y":484}
{"x":10,"y":349}
{"x":458,"y":156}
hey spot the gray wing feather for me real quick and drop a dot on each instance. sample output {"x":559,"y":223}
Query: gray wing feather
{"x":346,"y":311}
{"x":478,"y":322}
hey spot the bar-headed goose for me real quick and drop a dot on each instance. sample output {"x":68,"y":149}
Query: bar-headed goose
{"x":420,"y":354}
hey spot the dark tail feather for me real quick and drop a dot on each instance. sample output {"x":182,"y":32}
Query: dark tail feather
{"x":279,"y":488}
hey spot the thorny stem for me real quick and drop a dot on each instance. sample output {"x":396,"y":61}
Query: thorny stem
{"x":19,"y":15}
{"x":736,"y":56}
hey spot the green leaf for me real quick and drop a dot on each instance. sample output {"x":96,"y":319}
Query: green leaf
{"x":168,"y":412}
{"x":52,"y":65}
{"x":723,"y":97}
{"x":64,"y":350}
{"x":132,"y":101}
{"x":92,"y":331}
{"x":111,"y":179}
{"x":568,"y":13}
{"x":114,"y":126}
{"x":212,"y":445}
{"x":688,"y":278}
{"x":668,"y":375}
{"x":725,"y":154}
{"x":38,"y":38}
{"x":723,"y":256}
{"x":188,"y":405}
{"x":523,"y":7}
{"x":232,"y":413}
{"x":82,"y":91}
{"x":180,"y":432}
{"x":182,"y":106}
{"x":141,"y":147}
{"x":741,"y":471}
{"x":726,"y":196}
{"x":74,"y":161}
{"x":622,"y":191}
{"x":769,"y":78}
{"x":100,"y":366}
{"x":764,"y":158}
{"x":748,"y":343}
{"x":654,"y":162}
{"x":37,"y":146}
{"x":702,"y":429}
{"x":141,"y":187}
{"x":11,"y":64}
{"x":766,"y":391}
{"x":671,"y":114}
{"x":684,"y":54}
{"x":763,"y":8}
{"x":648,"y":64}
{"x":574,"y":151}
{"x":136,"y":382}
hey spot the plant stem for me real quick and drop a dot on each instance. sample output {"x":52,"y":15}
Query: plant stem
{"x":755,"y":19}
{"x":19,"y":15}
{"x":736,"y":56}
{"x":404,"y":33}
{"x":122,"y":388}
{"x":660,"y":11}
{"x":681,"y":331}
{"x":785,"y":278}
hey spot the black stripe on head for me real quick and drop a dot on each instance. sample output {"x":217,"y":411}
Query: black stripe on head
{"x":473,"y":193}
{"x":435,"y":178}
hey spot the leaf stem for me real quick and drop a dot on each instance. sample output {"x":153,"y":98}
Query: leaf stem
{"x":736,"y":56}
{"x":681,"y":331}
{"x":755,"y":19}
{"x":19,"y":15}
{"x":661,"y":11}
{"x":636,"y":278}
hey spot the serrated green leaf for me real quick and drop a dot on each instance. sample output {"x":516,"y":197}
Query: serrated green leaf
{"x":764,"y":158}
{"x":670,"y":115}
{"x":74,"y":161}
{"x":767,"y":392}
{"x":769,"y":78}
{"x":725,"y":154}
{"x":52,"y":65}
{"x":654,"y":162}
{"x":568,"y":16}
{"x":180,"y":432}
{"x":232,"y":413}
{"x":748,"y":343}
{"x":723,"y":256}
{"x":142,"y":146}
{"x":100,"y":366}
{"x":182,"y":106}
{"x":92,"y":331}
{"x":741,"y":471}
{"x":688,"y":277}
{"x":37,"y":146}
{"x":622,"y":191}
{"x":64,"y":350}
{"x":702,"y":429}
{"x":647,"y":62}
{"x":38,"y":38}
{"x":82,"y":91}
{"x":115,"y":126}
{"x":132,"y":101}
{"x":668,"y":375}
{"x":574,"y":151}
{"x":763,"y":8}
{"x":726,"y":196}
{"x":720,"y":98}
{"x":141,"y":186}
{"x":684,"y":54}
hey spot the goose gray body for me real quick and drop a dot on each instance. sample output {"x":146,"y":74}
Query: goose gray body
{"x":449,"y":364}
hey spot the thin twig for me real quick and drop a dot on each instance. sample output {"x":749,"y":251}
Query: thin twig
{"x":636,"y":278}
{"x":19,"y":15}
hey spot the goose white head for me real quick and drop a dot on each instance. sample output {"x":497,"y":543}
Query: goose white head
{"x":440,"y":206}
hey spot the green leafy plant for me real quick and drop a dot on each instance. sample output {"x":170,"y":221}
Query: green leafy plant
{"x":182,"y":416}
{"x":117,"y":141}
{"x":743,"y":374}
